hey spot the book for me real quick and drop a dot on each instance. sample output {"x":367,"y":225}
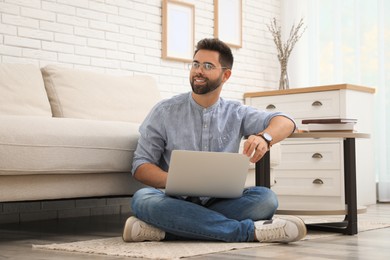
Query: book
{"x":349,"y":127}
{"x":329,"y":121}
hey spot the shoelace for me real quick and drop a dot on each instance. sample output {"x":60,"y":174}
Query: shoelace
{"x":270,"y":233}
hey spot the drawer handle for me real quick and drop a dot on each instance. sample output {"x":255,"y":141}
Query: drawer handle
{"x":317,"y":156}
{"x":316,"y":103}
{"x":318,"y":181}
{"x":271,"y":106}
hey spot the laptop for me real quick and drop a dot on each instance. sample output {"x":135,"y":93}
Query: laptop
{"x":209,"y":174}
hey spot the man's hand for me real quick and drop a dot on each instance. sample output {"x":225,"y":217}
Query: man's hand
{"x":256,"y":147}
{"x":279,"y":128}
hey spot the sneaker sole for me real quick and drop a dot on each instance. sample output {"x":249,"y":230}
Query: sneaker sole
{"x":302,"y":230}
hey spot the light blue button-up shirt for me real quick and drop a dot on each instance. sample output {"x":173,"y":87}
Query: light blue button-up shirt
{"x":179,"y":123}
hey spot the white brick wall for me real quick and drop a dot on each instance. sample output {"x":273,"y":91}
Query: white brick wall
{"x":124,"y":37}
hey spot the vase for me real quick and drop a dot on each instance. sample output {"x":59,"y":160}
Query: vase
{"x":283,"y":81}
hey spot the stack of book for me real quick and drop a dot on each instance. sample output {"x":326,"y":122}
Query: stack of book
{"x":330,"y":124}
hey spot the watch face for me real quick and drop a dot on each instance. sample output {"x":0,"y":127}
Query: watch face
{"x":267,"y":136}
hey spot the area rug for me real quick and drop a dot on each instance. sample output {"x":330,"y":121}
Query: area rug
{"x":175,"y":249}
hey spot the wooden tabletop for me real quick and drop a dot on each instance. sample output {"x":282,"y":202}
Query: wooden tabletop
{"x":329,"y":134}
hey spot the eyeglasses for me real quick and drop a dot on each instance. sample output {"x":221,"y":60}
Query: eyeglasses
{"x":206,"y":66}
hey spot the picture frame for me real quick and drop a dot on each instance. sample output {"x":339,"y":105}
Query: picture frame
{"x":228,"y":22}
{"x":178,"y":30}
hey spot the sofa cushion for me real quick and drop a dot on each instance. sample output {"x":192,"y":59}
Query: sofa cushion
{"x":22,"y":91}
{"x":39,"y":145}
{"x":84,"y":94}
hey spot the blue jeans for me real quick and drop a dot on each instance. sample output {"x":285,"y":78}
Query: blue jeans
{"x":230,"y":220}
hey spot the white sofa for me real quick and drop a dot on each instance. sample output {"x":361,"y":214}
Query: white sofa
{"x":67,"y":133}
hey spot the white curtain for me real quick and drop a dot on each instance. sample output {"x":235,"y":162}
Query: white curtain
{"x":346,"y":42}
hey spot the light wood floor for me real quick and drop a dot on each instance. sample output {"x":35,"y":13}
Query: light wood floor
{"x":16,"y":240}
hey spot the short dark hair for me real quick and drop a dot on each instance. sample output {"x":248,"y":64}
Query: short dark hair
{"x":213,"y":44}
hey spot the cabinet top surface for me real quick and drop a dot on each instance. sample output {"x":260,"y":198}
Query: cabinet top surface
{"x":309,"y":90}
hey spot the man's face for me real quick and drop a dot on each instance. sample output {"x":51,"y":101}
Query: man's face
{"x":205,"y":80}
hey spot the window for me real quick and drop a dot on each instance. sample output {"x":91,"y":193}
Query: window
{"x":347,"y":42}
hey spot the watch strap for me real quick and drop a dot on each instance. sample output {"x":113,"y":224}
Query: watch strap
{"x":265,"y":139}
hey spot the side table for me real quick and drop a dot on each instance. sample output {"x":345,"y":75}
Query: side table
{"x":349,"y":225}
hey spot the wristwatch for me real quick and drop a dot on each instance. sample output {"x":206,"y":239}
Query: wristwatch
{"x":267,"y":137}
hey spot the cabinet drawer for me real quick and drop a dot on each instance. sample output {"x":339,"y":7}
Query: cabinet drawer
{"x":302,"y":105}
{"x":308,"y":183}
{"x":316,"y":156}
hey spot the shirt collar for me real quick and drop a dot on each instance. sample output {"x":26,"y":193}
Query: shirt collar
{"x":199,"y":107}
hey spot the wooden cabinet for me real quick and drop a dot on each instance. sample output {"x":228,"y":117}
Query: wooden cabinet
{"x":310,"y":174}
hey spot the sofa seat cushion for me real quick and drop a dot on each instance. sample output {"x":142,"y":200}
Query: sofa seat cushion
{"x":85,"y":94}
{"x":22,"y":91}
{"x":39,"y":145}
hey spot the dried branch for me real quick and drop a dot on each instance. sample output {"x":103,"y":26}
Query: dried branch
{"x":285,"y":49}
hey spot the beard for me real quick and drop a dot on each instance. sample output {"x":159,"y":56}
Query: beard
{"x":205,"y":86}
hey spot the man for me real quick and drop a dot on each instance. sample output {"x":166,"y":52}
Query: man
{"x":201,"y":120}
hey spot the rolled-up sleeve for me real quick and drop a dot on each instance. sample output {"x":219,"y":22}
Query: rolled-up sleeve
{"x":256,"y":120}
{"x":151,"y":142}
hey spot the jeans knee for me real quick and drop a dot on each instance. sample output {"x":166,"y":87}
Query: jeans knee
{"x":141,"y":196}
{"x":268,"y":198}
{"x":272,"y":199}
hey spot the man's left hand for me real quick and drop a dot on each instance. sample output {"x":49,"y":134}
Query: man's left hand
{"x":255,"y":147}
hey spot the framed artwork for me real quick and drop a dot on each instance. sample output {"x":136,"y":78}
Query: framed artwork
{"x":228,"y":21}
{"x":178,"y":21}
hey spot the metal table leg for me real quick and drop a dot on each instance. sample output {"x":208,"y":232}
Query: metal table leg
{"x":349,"y":225}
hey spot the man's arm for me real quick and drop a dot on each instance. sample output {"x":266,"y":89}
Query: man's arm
{"x":279,"y":128}
{"x":151,"y":175}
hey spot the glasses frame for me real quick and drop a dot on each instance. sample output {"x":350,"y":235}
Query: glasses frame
{"x":202,"y":66}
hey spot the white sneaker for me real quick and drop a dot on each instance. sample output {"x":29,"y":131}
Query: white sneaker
{"x":136,"y":231}
{"x":284,"y":229}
